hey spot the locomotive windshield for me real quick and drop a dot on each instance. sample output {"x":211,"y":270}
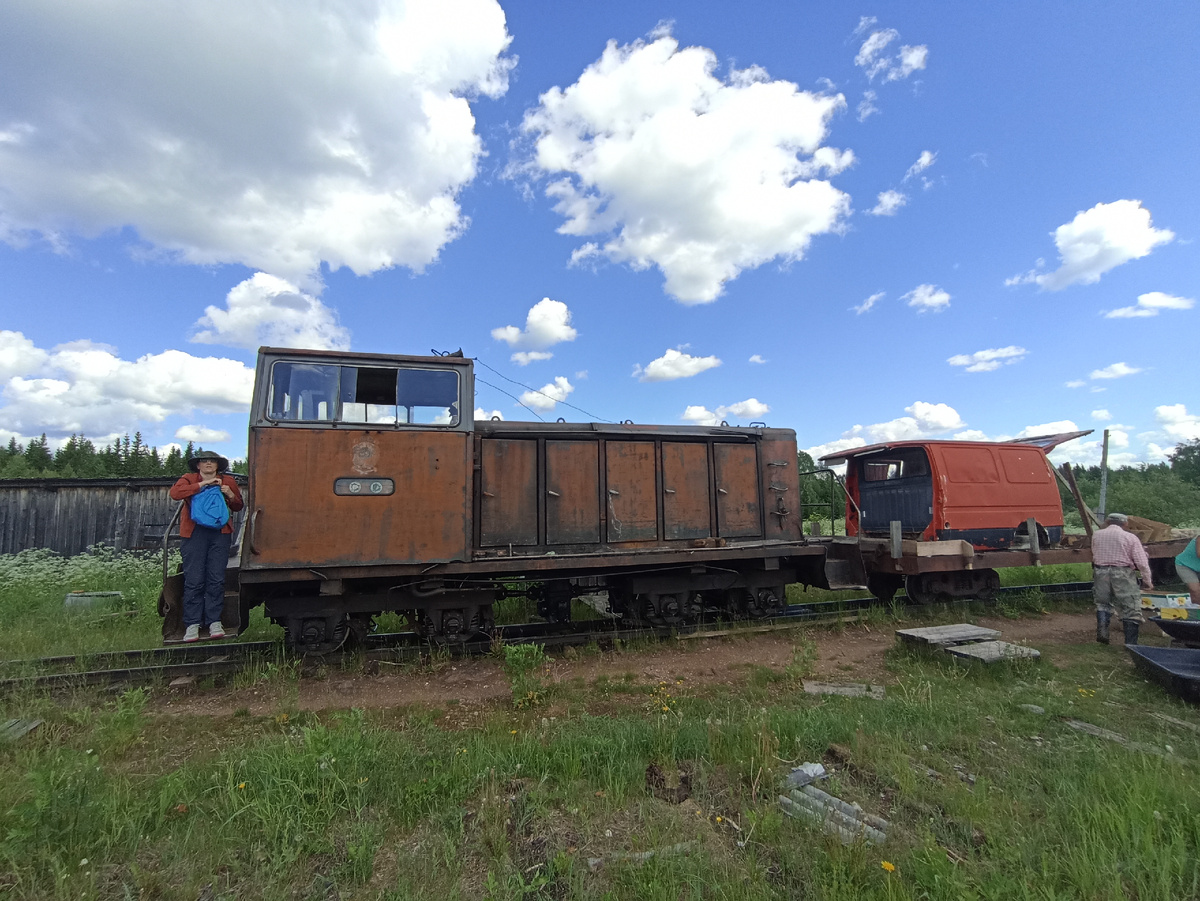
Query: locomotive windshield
{"x":375,"y":395}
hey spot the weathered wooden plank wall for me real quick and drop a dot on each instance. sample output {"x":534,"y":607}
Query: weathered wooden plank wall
{"x":71,"y":515}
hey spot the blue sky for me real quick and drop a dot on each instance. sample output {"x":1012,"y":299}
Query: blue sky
{"x":894,"y":221}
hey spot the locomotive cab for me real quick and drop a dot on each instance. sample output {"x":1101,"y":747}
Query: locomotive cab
{"x":354,"y":460}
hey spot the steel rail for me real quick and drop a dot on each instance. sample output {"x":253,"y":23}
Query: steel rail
{"x":210,"y":659}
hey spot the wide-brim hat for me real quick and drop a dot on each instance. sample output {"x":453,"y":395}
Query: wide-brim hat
{"x":194,"y":462}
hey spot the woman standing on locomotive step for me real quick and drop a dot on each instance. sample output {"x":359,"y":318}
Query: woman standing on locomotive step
{"x":205,"y":551}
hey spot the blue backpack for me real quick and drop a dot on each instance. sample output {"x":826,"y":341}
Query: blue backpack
{"x":208,"y":508}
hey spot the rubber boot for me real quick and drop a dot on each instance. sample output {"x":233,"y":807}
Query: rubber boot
{"x":1131,"y":632}
{"x":1103,"y":618}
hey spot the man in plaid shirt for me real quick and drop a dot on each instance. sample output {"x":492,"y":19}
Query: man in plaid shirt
{"x":1117,"y":558}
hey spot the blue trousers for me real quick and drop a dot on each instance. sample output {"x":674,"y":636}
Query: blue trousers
{"x":205,"y":555}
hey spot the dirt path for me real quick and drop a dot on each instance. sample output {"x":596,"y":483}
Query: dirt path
{"x":854,"y":654}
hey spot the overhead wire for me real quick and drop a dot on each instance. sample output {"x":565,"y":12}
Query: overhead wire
{"x":592,"y":416}
{"x":513,"y":396}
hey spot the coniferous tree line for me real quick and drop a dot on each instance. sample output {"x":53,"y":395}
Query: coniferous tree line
{"x":78,"y":458}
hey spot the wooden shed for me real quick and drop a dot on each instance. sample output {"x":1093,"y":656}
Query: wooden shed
{"x":70,"y":515}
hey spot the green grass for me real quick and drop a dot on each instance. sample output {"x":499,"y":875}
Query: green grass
{"x":115,"y":796}
{"x":1045,"y":575}
{"x":109,"y":800}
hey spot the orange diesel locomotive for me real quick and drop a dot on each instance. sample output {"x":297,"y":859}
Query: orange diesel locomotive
{"x":373,"y":489}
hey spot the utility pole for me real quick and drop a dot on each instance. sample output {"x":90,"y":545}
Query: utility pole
{"x":1103,"y":476}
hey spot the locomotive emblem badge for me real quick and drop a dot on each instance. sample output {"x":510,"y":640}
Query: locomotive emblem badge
{"x":363,"y":461}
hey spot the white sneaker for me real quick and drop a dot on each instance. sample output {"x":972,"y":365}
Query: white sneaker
{"x":192,"y":633}
{"x":216,"y":630}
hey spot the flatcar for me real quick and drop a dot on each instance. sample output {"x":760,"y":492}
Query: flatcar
{"x":373,"y":489}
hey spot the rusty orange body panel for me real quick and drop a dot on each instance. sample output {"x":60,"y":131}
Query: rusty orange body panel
{"x":687,"y":500}
{"x":299,"y":521}
{"x":508,"y":501}
{"x":631,"y":481}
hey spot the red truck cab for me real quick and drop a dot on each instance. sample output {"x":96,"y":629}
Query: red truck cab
{"x":976,"y":491}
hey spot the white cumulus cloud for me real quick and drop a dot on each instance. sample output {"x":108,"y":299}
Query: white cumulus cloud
{"x":673,"y":167}
{"x":278,"y":135}
{"x":1096,"y":241}
{"x":1101,"y":415}
{"x":85,"y":388}
{"x":1114,"y":371}
{"x":525,"y":357}
{"x":675,"y":364}
{"x":547,"y":323}
{"x":481,"y":414}
{"x":924,"y":420}
{"x":924,"y":161}
{"x":19,"y":355}
{"x":1177,"y":422}
{"x":867,"y":106}
{"x":927,"y":298}
{"x":757,"y":358}
{"x":548,"y":395}
{"x":873,"y":58}
{"x":199,"y":434}
{"x":987,"y":360}
{"x":1149,"y":304}
{"x":1047,"y":428}
{"x":888,"y":203}
{"x":268,"y":310}
{"x":867,"y":304}
{"x":750,"y":409}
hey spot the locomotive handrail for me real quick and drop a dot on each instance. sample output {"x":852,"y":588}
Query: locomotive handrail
{"x":251,"y":536}
{"x":833,"y":478}
{"x":167,"y":538}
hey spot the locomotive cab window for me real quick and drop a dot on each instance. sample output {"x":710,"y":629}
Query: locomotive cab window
{"x":303,"y":392}
{"x":307,"y":392}
{"x":369,"y":396}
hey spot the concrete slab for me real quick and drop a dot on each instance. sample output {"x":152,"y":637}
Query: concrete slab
{"x":991,"y":651}
{"x":847,"y":689}
{"x":945,"y":636}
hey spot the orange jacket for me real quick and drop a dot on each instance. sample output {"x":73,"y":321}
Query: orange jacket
{"x":189,"y":485}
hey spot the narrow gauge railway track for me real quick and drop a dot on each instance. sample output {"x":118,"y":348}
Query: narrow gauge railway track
{"x":222,"y":658}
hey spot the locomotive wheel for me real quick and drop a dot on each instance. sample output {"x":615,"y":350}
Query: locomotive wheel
{"x":770,"y":601}
{"x":918,"y":589}
{"x":310,"y":638}
{"x":989,"y":584}
{"x":884,"y":585}
{"x":670,"y":610}
{"x":361,"y":625}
